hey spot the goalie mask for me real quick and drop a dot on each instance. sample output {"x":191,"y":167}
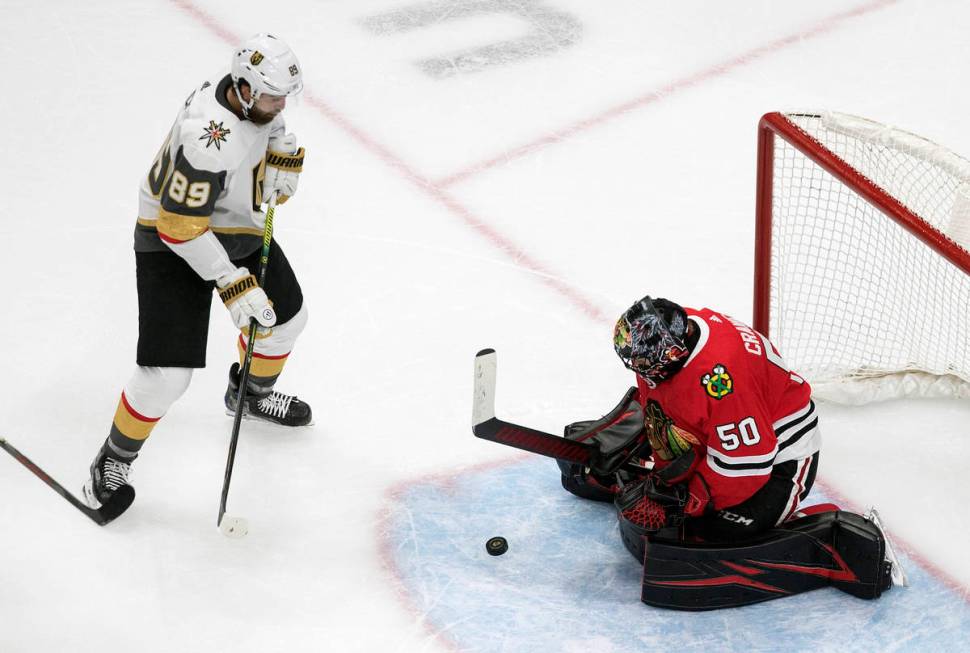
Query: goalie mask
{"x":268,"y":66}
{"x":650,"y":339}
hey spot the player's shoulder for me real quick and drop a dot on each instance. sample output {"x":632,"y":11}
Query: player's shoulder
{"x":719,"y":360}
{"x":210,"y":132}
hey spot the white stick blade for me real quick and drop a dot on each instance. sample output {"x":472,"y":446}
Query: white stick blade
{"x":483,"y":401}
{"x":234,"y":527}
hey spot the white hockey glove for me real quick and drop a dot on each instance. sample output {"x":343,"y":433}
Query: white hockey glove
{"x":284,"y":163}
{"x":245,"y":299}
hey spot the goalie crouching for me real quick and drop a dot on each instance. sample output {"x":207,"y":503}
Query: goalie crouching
{"x":707,"y":461}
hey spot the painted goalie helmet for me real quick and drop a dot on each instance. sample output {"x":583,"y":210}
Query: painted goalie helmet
{"x":650,"y":339}
{"x":268,"y":65}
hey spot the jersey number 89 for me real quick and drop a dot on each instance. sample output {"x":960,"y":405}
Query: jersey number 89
{"x":191,"y":195}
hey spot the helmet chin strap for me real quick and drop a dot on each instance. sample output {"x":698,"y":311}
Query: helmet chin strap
{"x":246,"y":106}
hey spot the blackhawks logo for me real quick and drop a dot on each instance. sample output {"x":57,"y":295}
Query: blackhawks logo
{"x":667,"y":440}
{"x":718,"y":383}
{"x":215,"y":133}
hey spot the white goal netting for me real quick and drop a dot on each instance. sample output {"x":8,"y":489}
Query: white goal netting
{"x":858,"y":304}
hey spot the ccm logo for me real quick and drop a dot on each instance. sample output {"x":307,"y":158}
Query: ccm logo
{"x":737,"y":519}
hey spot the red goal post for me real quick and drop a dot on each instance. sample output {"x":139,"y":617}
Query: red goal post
{"x":862,"y":256}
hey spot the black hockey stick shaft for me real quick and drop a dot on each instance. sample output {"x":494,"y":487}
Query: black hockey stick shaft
{"x":488,"y":427}
{"x":247,"y":361}
{"x":108,"y":512}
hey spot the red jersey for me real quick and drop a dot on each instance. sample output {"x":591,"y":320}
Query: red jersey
{"x":737,"y":404}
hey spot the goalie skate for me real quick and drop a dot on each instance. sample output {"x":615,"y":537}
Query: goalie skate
{"x":898,"y":573}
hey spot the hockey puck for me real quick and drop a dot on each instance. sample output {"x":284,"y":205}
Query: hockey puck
{"x":496,"y":546}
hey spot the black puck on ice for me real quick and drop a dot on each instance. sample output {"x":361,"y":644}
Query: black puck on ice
{"x":496,"y":546}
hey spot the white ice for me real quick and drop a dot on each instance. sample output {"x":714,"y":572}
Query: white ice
{"x":521,"y":206}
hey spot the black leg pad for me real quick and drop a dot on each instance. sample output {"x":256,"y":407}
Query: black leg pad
{"x":839,"y":549}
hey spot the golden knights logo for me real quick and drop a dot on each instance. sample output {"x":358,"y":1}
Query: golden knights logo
{"x":667,"y":440}
{"x":215,"y":133}
{"x":257,"y":58}
{"x":718,"y":384}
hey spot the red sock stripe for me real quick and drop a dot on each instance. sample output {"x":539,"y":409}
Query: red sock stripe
{"x":242,"y":344}
{"x":134,"y":413}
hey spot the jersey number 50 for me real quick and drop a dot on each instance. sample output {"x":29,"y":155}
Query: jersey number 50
{"x":734,"y":435}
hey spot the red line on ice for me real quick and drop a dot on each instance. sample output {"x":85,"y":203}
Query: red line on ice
{"x":684,"y":83}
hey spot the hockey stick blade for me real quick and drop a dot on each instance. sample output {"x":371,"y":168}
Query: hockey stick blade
{"x":488,"y":427}
{"x":119,"y":502}
{"x":234,"y":527}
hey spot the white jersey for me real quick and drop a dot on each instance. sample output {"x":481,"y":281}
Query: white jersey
{"x":207,"y":176}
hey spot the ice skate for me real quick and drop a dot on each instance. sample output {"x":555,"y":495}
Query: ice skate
{"x":275,"y":407}
{"x":898,"y":573}
{"x":109,"y":473}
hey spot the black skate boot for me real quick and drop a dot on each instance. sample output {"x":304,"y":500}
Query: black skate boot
{"x":267,"y":405}
{"x":109,"y":473}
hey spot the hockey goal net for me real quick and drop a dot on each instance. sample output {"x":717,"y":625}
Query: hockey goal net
{"x":862,"y":264}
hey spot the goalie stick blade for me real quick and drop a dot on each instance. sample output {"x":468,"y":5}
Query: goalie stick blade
{"x":107,"y":513}
{"x":483,"y":400}
{"x":487,"y":427}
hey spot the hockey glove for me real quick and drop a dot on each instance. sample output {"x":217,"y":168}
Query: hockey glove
{"x":245,"y":299}
{"x":284,"y":163}
{"x":698,"y":496}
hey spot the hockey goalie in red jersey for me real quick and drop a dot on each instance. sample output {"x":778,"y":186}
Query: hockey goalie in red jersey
{"x":727,"y":422}
{"x":707,"y":461}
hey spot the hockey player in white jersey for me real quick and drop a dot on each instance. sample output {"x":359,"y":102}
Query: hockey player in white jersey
{"x":200,"y":229}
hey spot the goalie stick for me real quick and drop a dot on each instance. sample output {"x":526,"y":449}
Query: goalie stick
{"x":107,"y":513}
{"x":488,"y":427}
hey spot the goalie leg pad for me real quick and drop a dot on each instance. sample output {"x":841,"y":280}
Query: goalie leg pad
{"x":839,"y":549}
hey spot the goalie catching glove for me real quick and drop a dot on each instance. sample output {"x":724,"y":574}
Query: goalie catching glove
{"x":284,"y":163}
{"x":244,"y":298}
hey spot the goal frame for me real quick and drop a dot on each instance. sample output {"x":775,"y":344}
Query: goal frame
{"x":774,"y":125}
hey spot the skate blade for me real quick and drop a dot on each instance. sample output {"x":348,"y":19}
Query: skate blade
{"x":234,"y":527}
{"x":898,"y":574}
{"x":248,"y":417}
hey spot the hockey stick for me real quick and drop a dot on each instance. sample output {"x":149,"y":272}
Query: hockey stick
{"x":116,"y":505}
{"x":238,"y":526}
{"x":488,"y":427}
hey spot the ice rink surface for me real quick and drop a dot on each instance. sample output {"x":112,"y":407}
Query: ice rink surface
{"x":502,"y":173}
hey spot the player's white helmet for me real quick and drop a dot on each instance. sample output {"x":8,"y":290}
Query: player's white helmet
{"x":268,"y":65}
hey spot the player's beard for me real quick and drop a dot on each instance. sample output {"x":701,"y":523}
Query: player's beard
{"x":262,"y":117}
